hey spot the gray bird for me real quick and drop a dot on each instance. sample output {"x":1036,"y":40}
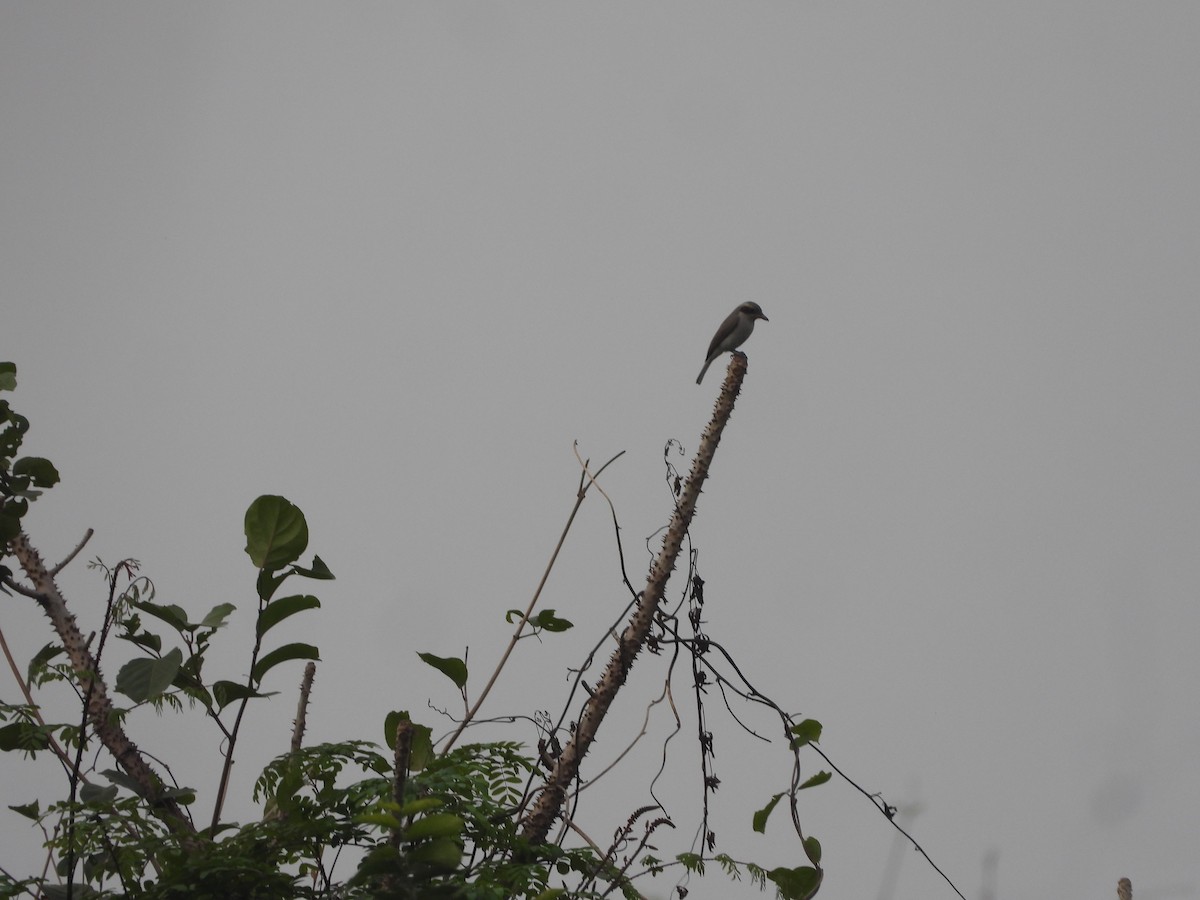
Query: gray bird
{"x":732,"y":333}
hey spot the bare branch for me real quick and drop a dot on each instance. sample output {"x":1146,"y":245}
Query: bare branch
{"x":585,"y":481}
{"x":310,"y":672}
{"x":99,"y":706}
{"x":74,"y":553}
{"x":549,"y":803}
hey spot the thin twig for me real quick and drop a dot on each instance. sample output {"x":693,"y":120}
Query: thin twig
{"x":585,"y":482}
{"x":70,"y":556}
{"x":34,"y":708}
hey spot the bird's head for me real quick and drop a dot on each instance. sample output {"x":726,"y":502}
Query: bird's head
{"x":753,"y":310}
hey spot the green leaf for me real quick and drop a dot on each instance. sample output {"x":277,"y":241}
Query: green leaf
{"x":278,"y":610}
{"x":283,"y":654}
{"x":226,"y":692}
{"x":390,"y":721}
{"x":806,"y":732}
{"x":812,"y":849}
{"x":11,"y":512}
{"x":144,"y":679}
{"x":185,"y":795}
{"x":819,"y":778}
{"x":452,"y":667}
{"x":421,"y":745}
{"x":547,"y":621}
{"x":319,"y":570}
{"x":28,"y":737}
{"x":268,"y":583}
{"x":420,"y":805}
{"x":378,"y":862}
{"x":276,"y":532}
{"x":383,"y":820}
{"x":761,"y":816}
{"x":796,"y":884}
{"x":443,"y":854}
{"x":146,"y":640}
{"x":40,"y":471}
{"x":28,"y":810}
{"x":194,"y":688}
{"x":42,"y":658}
{"x":422,"y":748}
{"x":94,"y":793}
{"x":437,"y":825}
{"x":217,"y":615}
{"x":126,"y":781}
{"x":175,"y":616}
{"x":8,"y":376}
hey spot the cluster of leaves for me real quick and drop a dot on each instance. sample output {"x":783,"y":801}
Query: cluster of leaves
{"x":414,"y":824}
{"x":21,"y":479}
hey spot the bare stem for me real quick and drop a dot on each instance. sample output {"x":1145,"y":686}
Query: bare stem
{"x":99,"y":711}
{"x":585,"y":481}
{"x":566,"y":770}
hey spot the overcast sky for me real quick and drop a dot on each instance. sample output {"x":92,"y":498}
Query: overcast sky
{"x":391,"y":260}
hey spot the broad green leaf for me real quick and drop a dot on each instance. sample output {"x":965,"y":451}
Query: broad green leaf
{"x":27,"y":737}
{"x":94,"y":793}
{"x":175,"y":616}
{"x":819,"y":778}
{"x":146,"y":640}
{"x":379,"y":861}
{"x":42,"y":658}
{"x":29,"y":810}
{"x":452,"y":667}
{"x":276,"y":532}
{"x":40,"y":471}
{"x":806,"y":732}
{"x":390,"y":721}
{"x":812,"y":847}
{"x":126,"y":781}
{"x":283,"y":654}
{"x":185,"y":795}
{"x":226,"y":692}
{"x":761,"y":816}
{"x":441,"y":853}
{"x":796,"y":884}
{"x":217,"y":615}
{"x":437,"y":825}
{"x":144,"y":679}
{"x":11,"y":512}
{"x":278,"y":610}
{"x":383,"y":820}
{"x":420,"y":805}
{"x":547,"y":621}
{"x":318,"y":571}
{"x":421,"y":745}
{"x":194,"y":688}
{"x":422,"y":748}
{"x":268,"y":582}
{"x":8,"y":376}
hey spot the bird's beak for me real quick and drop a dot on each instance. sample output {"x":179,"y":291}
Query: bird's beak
{"x":761,"y":316}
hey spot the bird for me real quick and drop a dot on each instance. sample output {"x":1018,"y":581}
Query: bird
{"x":732,"y":333}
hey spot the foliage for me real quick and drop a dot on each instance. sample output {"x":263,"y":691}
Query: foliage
{"x":348,"y":819}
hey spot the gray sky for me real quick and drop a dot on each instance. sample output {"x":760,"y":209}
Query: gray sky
{"x":390,"y":260}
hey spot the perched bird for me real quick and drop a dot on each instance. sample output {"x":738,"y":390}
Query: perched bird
{"x":732,"y":333}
